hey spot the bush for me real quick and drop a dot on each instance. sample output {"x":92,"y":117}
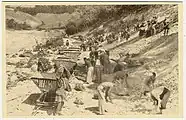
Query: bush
{"x":55,"y":9}
{"x":12,"y":24}
{"x":71,"y":28}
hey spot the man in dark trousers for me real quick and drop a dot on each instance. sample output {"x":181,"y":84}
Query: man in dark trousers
{"x":160,"y":96}
{"x":93,"y":56}
{"x":98,"y":71}
{"x":83,"y":47}
{"x":104,"y":58}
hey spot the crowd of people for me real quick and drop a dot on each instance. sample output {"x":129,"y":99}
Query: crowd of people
{"x":98,"y":64}
{"x":159,"y":95}
{"x":94,"y":41}
{"x":145,"y":29}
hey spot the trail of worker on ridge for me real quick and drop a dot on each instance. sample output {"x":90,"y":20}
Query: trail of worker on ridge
{"x":141,"y":46}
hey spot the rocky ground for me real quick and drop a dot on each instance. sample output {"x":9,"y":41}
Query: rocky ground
{"x":160,"y":54}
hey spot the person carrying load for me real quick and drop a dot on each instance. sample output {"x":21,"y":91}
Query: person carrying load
{"x":63,"y":86}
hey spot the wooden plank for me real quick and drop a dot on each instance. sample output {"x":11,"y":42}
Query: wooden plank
{"x":64,"y":60}
{"x":33,"y":78}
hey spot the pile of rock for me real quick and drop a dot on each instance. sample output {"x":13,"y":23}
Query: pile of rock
{"x":78,"y":101}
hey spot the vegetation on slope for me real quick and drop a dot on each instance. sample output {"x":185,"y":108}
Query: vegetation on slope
{"x":21,"y":18}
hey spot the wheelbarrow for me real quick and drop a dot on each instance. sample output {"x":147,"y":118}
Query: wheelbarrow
{"x":48,"y":89}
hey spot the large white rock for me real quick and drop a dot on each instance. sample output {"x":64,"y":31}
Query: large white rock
{"x":13,"y":78}
{"x":34,"y":68}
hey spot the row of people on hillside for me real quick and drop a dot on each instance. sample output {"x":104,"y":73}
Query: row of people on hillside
{"x":152,"y":27}
{"x":88,"y":43}
{"x":146,"y":28}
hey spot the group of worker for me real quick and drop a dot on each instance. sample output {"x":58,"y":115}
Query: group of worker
{"x":97,"y":64}
{"x":159,"y":95}
{"x":123,"y":34}
{"x":147,"y":29}
{"x":150,"y":27}
{"x":89,"y":42}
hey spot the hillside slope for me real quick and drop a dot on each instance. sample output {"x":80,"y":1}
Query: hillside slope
{"x":56,"y":20}
{"x":22,"y":17}
{"x":143,"y":15}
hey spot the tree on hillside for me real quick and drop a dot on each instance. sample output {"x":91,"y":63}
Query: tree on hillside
{"x":7,"y":6}
{"x":71,"y":28}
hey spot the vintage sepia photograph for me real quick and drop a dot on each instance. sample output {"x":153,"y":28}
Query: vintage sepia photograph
{"x":88,"y":59}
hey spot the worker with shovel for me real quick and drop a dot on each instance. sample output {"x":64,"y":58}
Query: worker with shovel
{"x":104,"y":94}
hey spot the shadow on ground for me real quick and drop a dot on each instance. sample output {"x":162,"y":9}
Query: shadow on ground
{"x":93,"y":110}
{"x":31,"y":100}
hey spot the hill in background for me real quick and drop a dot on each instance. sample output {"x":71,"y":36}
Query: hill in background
{"x":21,"y":17}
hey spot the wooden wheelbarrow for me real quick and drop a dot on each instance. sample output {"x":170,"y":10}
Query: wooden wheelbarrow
{"x":48,"y":88}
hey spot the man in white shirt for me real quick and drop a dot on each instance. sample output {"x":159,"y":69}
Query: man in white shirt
{"x":104,"y":94}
